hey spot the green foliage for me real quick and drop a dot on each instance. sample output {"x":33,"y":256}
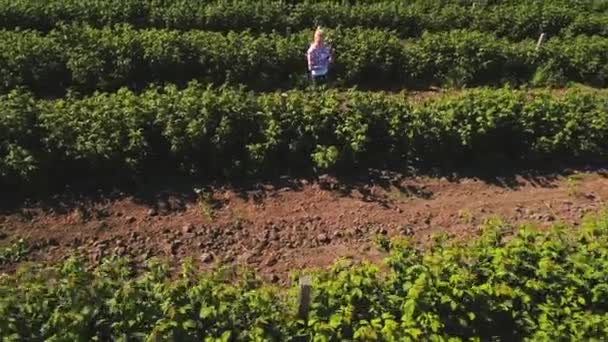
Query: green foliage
{"x":99,"y":130}
{"x":229,"y":132}
{"x":109,"y":303}
{"x":14,"y":252}
{"x":20,"y":142}
{"x":85,"y":59}
{"x":33,"y":61}
{"x":577,"y":60}
{"x":513,"y":19}
{"x":506,"y":285}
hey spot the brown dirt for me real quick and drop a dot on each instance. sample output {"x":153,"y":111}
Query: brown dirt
{"x":433,"y":93}
{"x":299,"y":224}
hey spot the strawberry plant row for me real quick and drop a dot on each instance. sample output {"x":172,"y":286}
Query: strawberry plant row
{"x":87,"y":59}
{"x":507,"y":285}
{"x":515,"y":20}
{"x":233,"y":133}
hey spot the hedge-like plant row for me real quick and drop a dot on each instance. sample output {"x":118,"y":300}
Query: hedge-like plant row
{"x":530,"y":287}
{"x":228,"y":132}
{"x":87,"y":59}
{"x":515,"y":20}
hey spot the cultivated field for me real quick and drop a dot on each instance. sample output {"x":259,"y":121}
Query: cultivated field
{"x":167,"y":172}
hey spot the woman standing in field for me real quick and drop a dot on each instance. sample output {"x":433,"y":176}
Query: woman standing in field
{"x":319,"y":57}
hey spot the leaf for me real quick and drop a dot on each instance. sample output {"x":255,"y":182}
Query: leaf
{"x":189,"y":324}
{"x":206,"y":312}
{"x":226,"y":336}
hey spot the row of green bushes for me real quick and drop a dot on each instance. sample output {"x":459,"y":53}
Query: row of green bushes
{"x":517,"y":20}
{"x":88,"y":59}
{"x":530,"y":287}
{"x":228,"y":132}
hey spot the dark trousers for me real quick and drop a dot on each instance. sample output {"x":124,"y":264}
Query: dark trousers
{"x":318,"y":80}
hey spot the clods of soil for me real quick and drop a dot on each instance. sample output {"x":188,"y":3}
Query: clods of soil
{"x":278,"y":229}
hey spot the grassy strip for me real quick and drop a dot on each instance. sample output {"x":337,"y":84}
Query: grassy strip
{"x":530,"y":286}
{"x":232,"y":133}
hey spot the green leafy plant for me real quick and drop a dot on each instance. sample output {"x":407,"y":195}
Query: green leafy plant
{"x":205,"y":202}
{"x":513,"y":19}
{"x":325,"y":157}
{"x":20,"y":142}
{"x":509,"y":284}
{"x":227,"y":132}
{"x":467,"y":216}
{"x":85,"y":59}
{"x":14,"y":252}
{"x":573,"y":183}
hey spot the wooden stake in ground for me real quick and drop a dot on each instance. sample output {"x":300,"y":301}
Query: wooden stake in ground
{"x":541,"y":39}
{"x":304,"y":300}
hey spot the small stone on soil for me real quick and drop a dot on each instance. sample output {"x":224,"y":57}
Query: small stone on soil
{"x":188,"y":228}
{"x":273,"y":236}
{"x":175,"y":245}
{"x":271,"y":261}
{"x":164,"y":208}
{"x":591,"y":196}
{"x":323,"y":238}
{"x":327,"y":182}
{"x":207,"y":257}
{"x":407,"y":230}
{"x":365,"y":248}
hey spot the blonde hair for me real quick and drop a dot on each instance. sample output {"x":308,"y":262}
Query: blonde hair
{"x":318,"y":37}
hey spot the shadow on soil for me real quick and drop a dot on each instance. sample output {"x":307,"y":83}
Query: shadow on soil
{"x":161,"y":195}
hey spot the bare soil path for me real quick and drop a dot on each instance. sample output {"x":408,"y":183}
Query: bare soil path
{"x":295,"y":224}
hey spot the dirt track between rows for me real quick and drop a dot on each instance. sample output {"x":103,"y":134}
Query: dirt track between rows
{"x":295,"y":224}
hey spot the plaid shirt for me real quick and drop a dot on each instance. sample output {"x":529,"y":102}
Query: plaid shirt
{"x":318,"y":57}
